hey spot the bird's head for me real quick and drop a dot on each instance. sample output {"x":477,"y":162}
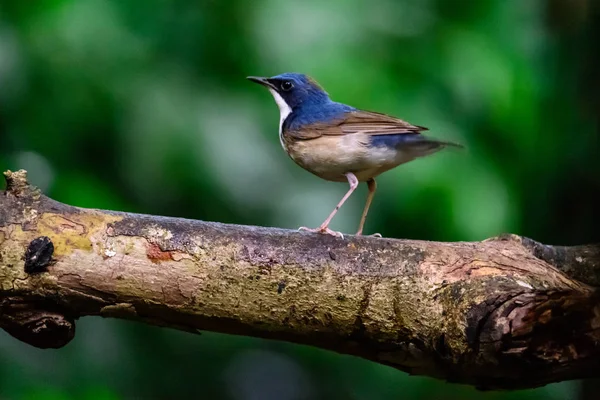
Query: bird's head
{"x":293,"y":90}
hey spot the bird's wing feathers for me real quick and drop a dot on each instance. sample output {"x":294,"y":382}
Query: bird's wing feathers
{"x":373,"y":123}
{"x":357,"y":121}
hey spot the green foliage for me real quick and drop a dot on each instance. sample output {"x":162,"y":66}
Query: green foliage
{"x":143,"y":106}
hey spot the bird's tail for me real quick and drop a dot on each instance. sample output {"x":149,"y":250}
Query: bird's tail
{"x":424,"y":145}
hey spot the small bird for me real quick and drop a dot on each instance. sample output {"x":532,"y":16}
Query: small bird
{"x":339,"y":143}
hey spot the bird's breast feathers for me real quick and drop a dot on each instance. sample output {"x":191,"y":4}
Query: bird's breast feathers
{"x":331,"y":157}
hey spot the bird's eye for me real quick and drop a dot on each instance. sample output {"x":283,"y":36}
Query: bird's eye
{"x":286,"y":86}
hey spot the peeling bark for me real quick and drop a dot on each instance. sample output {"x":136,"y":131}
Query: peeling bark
{"x":503,"y":313}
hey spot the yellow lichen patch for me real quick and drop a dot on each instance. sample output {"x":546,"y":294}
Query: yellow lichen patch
{"x":129,"y":246}
{"x":73,"y":231}
{"x":11,"y":257}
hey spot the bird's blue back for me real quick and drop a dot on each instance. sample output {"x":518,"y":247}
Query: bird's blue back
{"x":310,"y":112}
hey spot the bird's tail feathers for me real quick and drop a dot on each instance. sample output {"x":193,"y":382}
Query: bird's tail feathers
{"x":425,"y":145}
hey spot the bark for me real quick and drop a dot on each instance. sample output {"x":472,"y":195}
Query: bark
{"x":503,"y":313}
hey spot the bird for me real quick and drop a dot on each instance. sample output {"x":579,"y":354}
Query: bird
{"x":340,"y":143}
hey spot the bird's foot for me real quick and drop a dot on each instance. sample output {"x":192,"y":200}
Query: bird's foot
{"x":377,"y":235}
{"x":322,"y":230}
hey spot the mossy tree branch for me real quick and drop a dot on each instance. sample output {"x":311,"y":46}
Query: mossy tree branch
{"x":502,"y":313}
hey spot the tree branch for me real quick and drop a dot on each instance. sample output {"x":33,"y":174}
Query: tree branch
{"x":503,"y":313}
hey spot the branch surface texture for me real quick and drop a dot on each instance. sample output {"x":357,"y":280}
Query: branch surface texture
{"x":503,"y":313}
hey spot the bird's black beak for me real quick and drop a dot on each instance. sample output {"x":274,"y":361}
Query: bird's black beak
{"x":261,"y":81}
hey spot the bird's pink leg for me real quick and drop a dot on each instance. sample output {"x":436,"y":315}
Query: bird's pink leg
{"x":324,"y":228}
{"x":372,"y":187}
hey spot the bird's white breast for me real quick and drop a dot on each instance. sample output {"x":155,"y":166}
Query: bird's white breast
{"x":284,"y":111}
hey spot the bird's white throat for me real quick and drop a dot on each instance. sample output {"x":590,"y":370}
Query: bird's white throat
{"x":284,"y":111}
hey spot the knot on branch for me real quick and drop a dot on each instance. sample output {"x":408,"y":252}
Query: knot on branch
{"x":38,"y":327}
{"x":38,"y":255}
{"x":544,"y":331}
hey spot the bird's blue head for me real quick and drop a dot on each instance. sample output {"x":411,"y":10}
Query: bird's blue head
{"x":292,"y":90}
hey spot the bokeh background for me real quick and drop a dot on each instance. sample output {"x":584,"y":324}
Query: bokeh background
{"x":143,"y":106}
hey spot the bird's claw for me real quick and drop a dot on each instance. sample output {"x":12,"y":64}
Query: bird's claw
{"x":377,"y":235}
{"x":323,"y":231}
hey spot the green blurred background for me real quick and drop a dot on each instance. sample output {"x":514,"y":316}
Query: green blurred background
{"x":143,"y":106}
